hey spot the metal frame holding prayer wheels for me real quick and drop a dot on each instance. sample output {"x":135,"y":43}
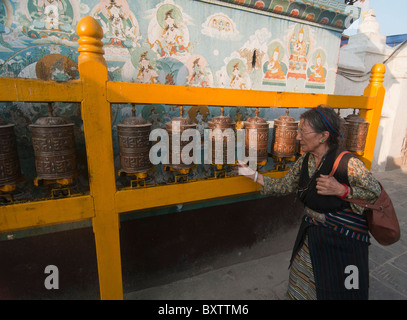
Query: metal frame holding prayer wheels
{"x":105,"y":202}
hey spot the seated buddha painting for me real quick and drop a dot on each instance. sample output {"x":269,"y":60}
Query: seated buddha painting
{"x":317,"y":71}
{"x":275,"y":70}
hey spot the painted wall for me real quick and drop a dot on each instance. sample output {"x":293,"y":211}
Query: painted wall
{"x":181,"y":42}
{"x":173,"y":42}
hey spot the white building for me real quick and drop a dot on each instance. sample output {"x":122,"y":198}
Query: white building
{"x":364,"y":49}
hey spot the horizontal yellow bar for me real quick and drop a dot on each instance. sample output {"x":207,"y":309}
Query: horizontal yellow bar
{"x":172,"y":194}
{"x":125,"y":92}
{"x":33,"y":90}
{"x":47,"y":212}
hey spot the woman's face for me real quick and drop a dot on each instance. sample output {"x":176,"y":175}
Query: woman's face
{"x":309,"y":139}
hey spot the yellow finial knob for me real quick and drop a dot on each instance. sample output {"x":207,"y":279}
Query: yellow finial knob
{"x":90,"y":35}
{"x":377,"y":72}
{"x":379,"y":68}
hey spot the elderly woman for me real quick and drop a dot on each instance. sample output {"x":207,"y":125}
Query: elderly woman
{"x":332,"y":242}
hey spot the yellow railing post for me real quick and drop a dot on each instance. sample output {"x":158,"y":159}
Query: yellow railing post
{"x":96,"y":116}
{"x":374,"y":89}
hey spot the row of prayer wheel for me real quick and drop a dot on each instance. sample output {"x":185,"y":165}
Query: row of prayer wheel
{"x":134,"y":141}
{"x":54,"y":143}
{"x":134,"y":144}
{"x":133,"y":134}
{"x":353,"y":128}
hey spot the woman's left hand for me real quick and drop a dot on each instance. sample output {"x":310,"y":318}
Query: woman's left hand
{"x":329,"y":186}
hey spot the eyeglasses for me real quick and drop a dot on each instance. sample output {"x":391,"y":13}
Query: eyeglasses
{"x":301,"y":132}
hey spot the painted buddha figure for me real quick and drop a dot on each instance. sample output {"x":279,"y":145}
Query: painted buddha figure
{"x":274,"y":70}
{"x":318,"y":72}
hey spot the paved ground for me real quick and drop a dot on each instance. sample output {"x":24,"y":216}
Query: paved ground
{"x":266,"y":278}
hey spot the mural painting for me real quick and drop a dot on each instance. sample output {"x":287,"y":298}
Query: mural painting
{"x":170,"y":42}
{"x":49,"y":18}
{"x":275,"y":70}
{"x":120,"y":26}
{"x":168,"y":34}
{"x":199,"y":74}
{"x":316,"y":73}
{"x":236,"y":71}
{"x":299,"y":48}
{"x":220,"y":26}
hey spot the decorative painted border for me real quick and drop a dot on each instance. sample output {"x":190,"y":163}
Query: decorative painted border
{"x":330,"y":14}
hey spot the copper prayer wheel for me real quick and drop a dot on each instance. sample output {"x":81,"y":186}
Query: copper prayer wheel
{"x":356,"y":133}
{"x":10,"y":171}
{"x":220,"y":139}
{"x":175,"y":128}
{"x":343,"y":129}
{"x":54,"y":148}
{"x":284,"y":143}
{"x":134,"y":145}
{"x":260,"y":134}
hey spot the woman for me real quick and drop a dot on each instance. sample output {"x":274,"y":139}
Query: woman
{"x":333,"y":235}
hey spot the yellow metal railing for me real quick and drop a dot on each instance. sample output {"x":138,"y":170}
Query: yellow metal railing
{"x":104,"y":203}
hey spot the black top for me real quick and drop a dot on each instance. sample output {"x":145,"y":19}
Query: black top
{"x":307,"y":191}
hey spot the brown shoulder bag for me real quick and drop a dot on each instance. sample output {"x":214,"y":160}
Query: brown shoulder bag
{"x":381,"y":216}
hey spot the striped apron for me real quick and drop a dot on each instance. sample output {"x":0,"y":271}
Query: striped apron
{"x":330,"y":257}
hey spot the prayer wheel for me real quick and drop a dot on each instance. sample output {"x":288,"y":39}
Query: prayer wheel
{"x":175,"y":128}
{"x":284,"y":143}
{"x":220,"y":137}
{"x":260,"y":135}
{"x":10,"y":171}
{"x":357,"y":129}
{"x":134,"y":145}
{"x":54,"y":148}
{"x":343,"y":129}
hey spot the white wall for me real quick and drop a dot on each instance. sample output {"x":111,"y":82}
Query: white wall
{"x":365,"y":49}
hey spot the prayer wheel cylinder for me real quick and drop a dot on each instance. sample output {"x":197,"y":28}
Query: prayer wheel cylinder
{"x":357,"y":129}
{"x":343,"y":129}
{"x":220,"y":142}
{"x":54,"y":148}
{"x":284,"y":144}
{"x":10,"y":171}
{"x":261,"y":135}
{"x":175,"y":128}
{"x":134,"y":145}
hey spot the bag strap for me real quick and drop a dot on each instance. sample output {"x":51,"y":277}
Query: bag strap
{"x":336,"y":163}
{"x":358,"y":202}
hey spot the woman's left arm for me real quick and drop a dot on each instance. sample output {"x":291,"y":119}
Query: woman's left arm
{"x":363,"y":185}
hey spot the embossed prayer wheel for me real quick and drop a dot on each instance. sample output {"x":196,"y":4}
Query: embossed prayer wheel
{"x":222,"y":128}
{"x":260,"y":135}
{"x":343,"y":129}
{"x":284,"y":143}
{"x":134,"y":145}
{"x":175,"y":128}
{"x":356,"y":134}
{"x":10,"y":171}
{"x":54,"y":148}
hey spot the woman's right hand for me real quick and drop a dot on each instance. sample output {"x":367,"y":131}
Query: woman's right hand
{"x":243,"y":169}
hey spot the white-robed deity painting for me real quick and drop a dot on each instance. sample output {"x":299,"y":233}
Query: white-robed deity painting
{"x":167,"y":32}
